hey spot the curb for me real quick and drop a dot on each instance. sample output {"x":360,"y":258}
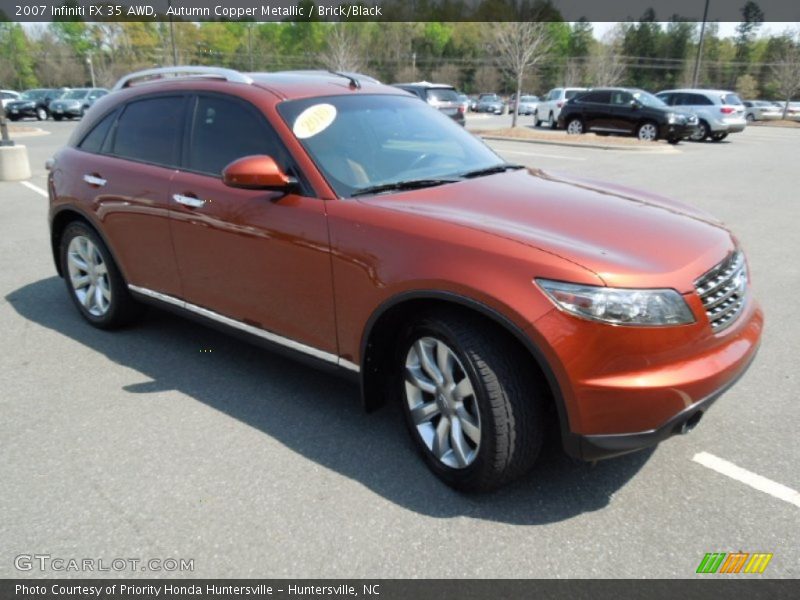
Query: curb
{"x":30,"y":132}
{"x":659,"y":150}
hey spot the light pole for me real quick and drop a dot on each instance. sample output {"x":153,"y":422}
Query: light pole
{"x":700,"y":47}
{"x":91,"y":69}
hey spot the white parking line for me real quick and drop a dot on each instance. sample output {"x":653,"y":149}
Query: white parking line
{"x":35,"y":188}
{"x":762,"y":484}
{"x":558,"y":156}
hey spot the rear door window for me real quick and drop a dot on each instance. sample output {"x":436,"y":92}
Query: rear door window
{"x":150,"y":131}
{"x":603,"y":97}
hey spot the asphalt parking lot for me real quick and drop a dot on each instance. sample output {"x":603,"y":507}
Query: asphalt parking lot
{"x":169,"y":440}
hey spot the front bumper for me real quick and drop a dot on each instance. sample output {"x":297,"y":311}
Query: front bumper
{"x":20,"y":113}
{"x":67,"y":111}
{"x":625,"y":388}
{"x":680,"y":131}
{"x":597,"y":447}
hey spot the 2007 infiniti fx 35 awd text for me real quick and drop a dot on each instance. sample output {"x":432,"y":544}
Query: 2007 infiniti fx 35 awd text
{"x":346,"y":222}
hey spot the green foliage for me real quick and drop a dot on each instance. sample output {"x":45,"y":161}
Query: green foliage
{"x":17,"y":70}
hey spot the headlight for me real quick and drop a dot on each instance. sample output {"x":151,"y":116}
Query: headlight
{"x":619,"y":306}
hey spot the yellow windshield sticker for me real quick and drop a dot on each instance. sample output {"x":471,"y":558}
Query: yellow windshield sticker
{"x":313,"y":120}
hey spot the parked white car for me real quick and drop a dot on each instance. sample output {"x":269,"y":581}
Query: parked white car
{"x":720,"y":112}
{"x":7,"y":96}
{"x":549,"y":108}
{"x":761,"y":110}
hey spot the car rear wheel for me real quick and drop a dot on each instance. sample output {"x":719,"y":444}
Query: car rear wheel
{"x":701,"y":133}
{"x":750,"y":118}
{"x":93,"y":280}
{"x":536,"y":121}
{"x":41,"y":114}
{"x":647,"y":132}
{"x":718,"y":137}
{"x":472,"y":408}
{"x":551,"y":121}
{"x":575,"y":126}
{"x":57,"y":117}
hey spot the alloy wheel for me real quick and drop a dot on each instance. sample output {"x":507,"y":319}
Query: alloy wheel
{"x":648,"y":132}
{"x":442,"y":403}
{"x":88,"y":274}
{"x":575,"y":127}
{"x":41,"y":114}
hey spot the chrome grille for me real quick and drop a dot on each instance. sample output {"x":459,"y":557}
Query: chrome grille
{"x":723,"y":291}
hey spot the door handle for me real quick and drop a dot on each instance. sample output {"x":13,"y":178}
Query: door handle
{"x":94,"y":180}
{"x":188,"y":200}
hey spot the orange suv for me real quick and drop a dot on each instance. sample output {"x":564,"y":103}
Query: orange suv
{"x":345,"y":222}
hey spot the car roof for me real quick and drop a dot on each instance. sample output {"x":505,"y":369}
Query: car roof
{"x":697,"y":91}
{"x":426,"y":84}
{"x":283,"y":84}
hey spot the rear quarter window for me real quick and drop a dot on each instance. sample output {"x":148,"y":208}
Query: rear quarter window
{"x":93,"y":140}
{"x":731,"y":99}
{"x":442,"y":95}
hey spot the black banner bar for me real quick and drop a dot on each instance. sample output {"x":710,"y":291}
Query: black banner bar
{"x":385,"y":10}
{"x":715,"y":586}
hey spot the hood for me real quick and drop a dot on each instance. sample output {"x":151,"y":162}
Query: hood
{"x":21,"y":103}
{"x":627,"y":238}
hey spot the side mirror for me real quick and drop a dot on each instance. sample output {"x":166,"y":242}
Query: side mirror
{"x":635,"y":104}
{"x":259,"y":172}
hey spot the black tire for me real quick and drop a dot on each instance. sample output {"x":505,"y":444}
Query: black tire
{"x":14,"y":118}
{"x":552,"y":121}
{"x":718,"y":137}
{"x":507,"y":397}
{"x":122,"y":307}
{"x":41,"y":114}
{"x":57,"y":117}
{"x":673,"y":140}
{"x":536,"y":121}
{"x":703,"y":131}
{"x":750,"y":118}
{"x":575,"y":126}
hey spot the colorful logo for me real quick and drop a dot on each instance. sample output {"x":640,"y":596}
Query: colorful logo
{"x":734,"y":562}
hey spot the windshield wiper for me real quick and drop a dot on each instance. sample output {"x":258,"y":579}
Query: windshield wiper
{"x":491,"y":170}
{"x":411,"y":184}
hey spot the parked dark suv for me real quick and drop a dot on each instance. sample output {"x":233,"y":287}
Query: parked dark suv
{"x":34,"y":103}
{"x":628,"y":112}
{"x":441,"y":96}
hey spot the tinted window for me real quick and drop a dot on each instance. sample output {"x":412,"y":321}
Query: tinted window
{"x":94,"y":139}
{"x":731,"y":99}
{"x":667,"y":98}
{"x":571,"y":93}
{"x":696,"y":100}
{"x":150,"y":130}
{"x":224,"y":130}
{"x":442,"y":95}
{"x":598,"y":97}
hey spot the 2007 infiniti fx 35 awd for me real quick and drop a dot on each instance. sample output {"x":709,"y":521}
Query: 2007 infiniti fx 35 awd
{"x":346,"y":222}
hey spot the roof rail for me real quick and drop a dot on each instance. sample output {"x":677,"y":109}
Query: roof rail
{"x":151,"y":75}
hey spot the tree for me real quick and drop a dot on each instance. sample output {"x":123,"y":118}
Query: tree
{"x":787,"y":75}
{"x":344,"y":50}
{"x":17,"y":65}
{"x":752,"y":17}
{"x":520,"y":46}
{"x":747,"y":86}
{"x":605,"y":66}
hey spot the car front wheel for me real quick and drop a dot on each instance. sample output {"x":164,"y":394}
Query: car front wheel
{"x":472,"y":408}
{"x":575,"y":126}
{"x":551,"y":121}
{"x":93,"y":280}
{"x":41,"y":114}
{"x":647,"y":132}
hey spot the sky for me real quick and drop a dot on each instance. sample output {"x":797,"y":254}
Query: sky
{"x":726,"y":29}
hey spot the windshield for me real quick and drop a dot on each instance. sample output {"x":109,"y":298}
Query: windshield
{"x":360,"y":142}
{"x":488,"y":97}
{"x":570,"y":94}
{"x":528,"y":99}
{"x":648,"y":99}
{"x":32,"y":94}
{"x":75,"y":94}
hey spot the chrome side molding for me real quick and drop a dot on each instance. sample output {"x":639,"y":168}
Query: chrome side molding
{"x":262,"y":333}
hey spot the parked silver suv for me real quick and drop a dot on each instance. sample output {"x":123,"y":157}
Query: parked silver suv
{"x":720,"y":112}
{"x":550,"y":107}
